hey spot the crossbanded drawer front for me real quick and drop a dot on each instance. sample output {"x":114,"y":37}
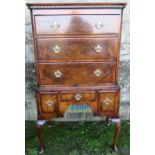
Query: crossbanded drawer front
{"x":92,"y":73}
{"x":109,"y":103}
{"x":78,"y":96}
{"x":48,"y":103}
{"x":77,"y":48}
{"x":77,"y":24}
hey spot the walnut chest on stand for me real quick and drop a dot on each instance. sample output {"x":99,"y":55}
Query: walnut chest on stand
{"x":77,"y":55}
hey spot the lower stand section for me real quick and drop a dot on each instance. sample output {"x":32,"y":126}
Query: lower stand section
{"x":40,"y":137}
{"x":117,"y":122}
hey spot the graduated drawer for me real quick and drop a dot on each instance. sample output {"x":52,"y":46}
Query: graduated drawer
{"x":77,"y":24}
{"x":77,"y":48}
{"x":78,"y":96}
{"x":86,"y":73}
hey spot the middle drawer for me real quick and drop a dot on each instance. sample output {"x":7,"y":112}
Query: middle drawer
{"x":78,"y":96}
{"x":76,"y":48}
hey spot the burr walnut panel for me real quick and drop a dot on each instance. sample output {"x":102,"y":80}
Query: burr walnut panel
{"x":77,"y":24}
{"x":109,"y":103}
{"x":77,"y":48}
{"x":48,"y":103}
{"x":91,"y":73}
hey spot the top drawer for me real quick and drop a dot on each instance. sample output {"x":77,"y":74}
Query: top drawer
{"x":77,"y":24}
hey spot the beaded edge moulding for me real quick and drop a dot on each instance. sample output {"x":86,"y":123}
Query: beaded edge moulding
{"x":69,"y":5}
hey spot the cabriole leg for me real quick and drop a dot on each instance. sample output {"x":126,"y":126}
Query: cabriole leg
{"x":40,"y":137}
{"x":116,"y":135}
{"x":107,"y":120}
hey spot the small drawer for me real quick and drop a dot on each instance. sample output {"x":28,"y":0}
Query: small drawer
{"x":78,"y":96}
{"x":77,"y":24}
{"x":48,"y":103}
{"x":109,"y":103}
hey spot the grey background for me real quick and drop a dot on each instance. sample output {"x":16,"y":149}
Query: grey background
{"x":124,"y":76}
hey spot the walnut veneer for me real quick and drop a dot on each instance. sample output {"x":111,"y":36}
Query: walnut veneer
{"x":77,"y":50}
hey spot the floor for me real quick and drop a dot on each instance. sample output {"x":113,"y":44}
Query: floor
{"x":77,"y":138}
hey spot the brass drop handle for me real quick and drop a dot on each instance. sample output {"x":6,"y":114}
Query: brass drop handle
{"x":50,"y":103}
{"x":98,"y":48}
{"x":58,"y":74}
{"x":55,"y":26}
{"x":97,"y":72}
{"x":107,"y":101}
{"x":99,"y":25}
{"x":56,"y":49}
{"x":78,"y":97}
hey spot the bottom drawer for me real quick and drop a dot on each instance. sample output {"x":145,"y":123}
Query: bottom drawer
{"x":77,"y":73}
{"x":109,"y":103}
